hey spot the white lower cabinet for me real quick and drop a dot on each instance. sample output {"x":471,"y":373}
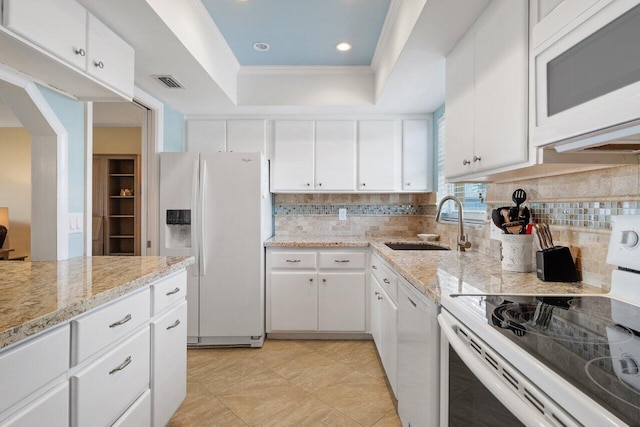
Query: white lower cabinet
{"x":294,"y":301}
{"x":341,"y":299}
{"x":384,"y":317}
{"x":168,"y":363}
{"x":328,"y":298}
{"x":102,"y":391}
{"x":138,"y":414}
{"x":39,"y":412}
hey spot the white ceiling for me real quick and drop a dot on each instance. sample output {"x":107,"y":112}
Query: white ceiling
{"x":414,"y":80}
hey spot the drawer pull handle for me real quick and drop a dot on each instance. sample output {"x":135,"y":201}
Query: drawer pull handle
{"x":120,"y":367}
{"x":121,"y":322}
{"x":175,"y":291}
{"x":376,"y":293}
{"x":385,"y":280}
{"x":341,"y":260}
{"x":293,"y":260}
{"x":373,"y":267}
{"x":379,"y":297}
{"x":412,"y":303}
{"x":175,"y":325}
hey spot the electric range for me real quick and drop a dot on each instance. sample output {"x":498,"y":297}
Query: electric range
{"x":552,"y":360}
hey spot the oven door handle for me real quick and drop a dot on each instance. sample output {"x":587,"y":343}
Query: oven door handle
{"x":506,"y":395}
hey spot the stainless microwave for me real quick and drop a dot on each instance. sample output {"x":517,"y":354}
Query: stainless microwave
{"x":585,"y":65}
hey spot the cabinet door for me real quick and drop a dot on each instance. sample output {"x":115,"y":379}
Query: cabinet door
{"x":294,"y":301}
{"x":335,"y":156}
{"x":460,"y":95}
{"x":293,"y":156}
{"x":206,"y":136}
{"x":375,"y":313}
{"x":501,"y":87}
{"x":376,"y":155}
{"x":341,"y":302}
{"x":389,"y":339}
{"x":51,"y":410}
{"x":109,"y":58}
{"x":168,"y":363}
{"x":417,"y":156}
{"x":58,"y":26}
{"x":247,"y":136}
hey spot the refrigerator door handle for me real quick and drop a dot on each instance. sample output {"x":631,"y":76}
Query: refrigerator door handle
{"x":194,"y":221}
{"x":201,"y":231}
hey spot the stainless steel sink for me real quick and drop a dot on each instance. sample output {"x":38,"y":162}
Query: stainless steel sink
{"x":416,"y":247}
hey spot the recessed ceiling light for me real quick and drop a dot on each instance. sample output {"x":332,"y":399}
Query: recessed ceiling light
{"x":343,"y":46}
{"x":261,"y":47}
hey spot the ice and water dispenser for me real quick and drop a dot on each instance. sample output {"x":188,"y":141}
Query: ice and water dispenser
{"x":178,"y":228}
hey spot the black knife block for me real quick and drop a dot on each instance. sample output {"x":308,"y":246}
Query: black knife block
{"x":556,"y":265}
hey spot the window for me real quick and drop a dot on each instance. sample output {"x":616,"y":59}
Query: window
{"x":472,"y":196}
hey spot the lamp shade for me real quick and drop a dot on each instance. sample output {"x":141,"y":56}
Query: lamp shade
{"x":4,"y":217}
{"x":4,"y":222}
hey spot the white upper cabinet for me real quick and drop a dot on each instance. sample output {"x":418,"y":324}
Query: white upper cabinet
{"x":247,"y":136}
{"x":376,"y":155}
{"x":335,"y":155}
{"x":58,"y":26}
{"x":486,"y":92}
{"x":206,"y":136}
{"x":71,"y":37}
{"x":109,"y":58}
{"x":293,"y":156}
{"x":417,"y":156}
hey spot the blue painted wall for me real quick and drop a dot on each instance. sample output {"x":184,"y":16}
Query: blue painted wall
{"x":71,"y":114}
{"x":173,"y":130}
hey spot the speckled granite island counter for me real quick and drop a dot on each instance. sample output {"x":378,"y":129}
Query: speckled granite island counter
{"x":38,"y":295}
{"x":434,"y":273}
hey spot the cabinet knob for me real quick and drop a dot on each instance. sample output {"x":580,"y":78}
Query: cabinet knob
{"x":308,"y":184}
{"x":408,"y":184}
{"x":80,"y":52}
{"x":376,"y":293}
{"x":311,"y":280}
{"x":379,"y":297}
{"x":385,"y":280}
{"x":319,"y":184}
{"x":465,"y":162}
{"x":374,"y":267}
{"x":476,"y":159}
{"x":324,"y":280}
{"x":364,"y":184}
{"x":99,"y":64}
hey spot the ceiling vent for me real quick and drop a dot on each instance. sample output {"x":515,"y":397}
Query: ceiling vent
{"x":170,"y":82}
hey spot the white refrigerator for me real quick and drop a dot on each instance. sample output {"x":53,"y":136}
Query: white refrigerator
{"x":217,"y":208}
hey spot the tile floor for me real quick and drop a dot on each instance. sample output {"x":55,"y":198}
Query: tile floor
{"x":287,"y":383}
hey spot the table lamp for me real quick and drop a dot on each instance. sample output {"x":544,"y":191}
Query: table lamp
{"x":4,"y":224}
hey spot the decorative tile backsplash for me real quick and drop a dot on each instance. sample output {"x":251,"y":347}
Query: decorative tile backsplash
{"x":321,"y":209}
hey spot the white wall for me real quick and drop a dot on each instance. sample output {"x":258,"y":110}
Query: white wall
{"x":15,"y":187}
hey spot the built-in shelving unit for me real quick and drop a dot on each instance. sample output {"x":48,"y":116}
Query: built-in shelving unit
{"x":119,"y":187}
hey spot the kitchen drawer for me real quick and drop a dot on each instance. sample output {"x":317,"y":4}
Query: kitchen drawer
{"x":386,"y":276}
{"x":51,"y":410}
{"x":342,"y":260}
{"x":168,"y":291}
{"x":29,"y":366}
{"x":138,"y":414}
{"x":102,"y":392}
{"x":106,"y":325}
{"x":297,"y":260}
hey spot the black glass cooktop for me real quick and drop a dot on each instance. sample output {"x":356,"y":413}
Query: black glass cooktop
{"x":591,"y":341}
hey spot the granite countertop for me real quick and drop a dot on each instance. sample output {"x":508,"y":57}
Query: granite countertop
{"x":435,"y":273}
{"x":37,"y":295}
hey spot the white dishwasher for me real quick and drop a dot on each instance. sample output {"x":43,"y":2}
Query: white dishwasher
{"x":418,"y":358}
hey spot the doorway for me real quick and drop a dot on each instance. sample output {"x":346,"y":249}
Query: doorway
{"x":117,"y":178}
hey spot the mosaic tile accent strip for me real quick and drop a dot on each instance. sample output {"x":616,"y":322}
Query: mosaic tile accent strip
{"x":587,"y":344}
{"x":355,"y":209}
{"x":579,"y":214}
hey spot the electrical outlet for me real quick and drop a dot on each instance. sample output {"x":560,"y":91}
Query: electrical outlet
{"x":342,"y":214}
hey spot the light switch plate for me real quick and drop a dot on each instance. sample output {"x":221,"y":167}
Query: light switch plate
{"x":342,"y":214}
{"x":76,"y":222}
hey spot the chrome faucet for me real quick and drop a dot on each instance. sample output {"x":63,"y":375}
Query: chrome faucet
{"x":463,"y":243}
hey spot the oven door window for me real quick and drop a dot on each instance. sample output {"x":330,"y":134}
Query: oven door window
{"x":470,"y":402}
